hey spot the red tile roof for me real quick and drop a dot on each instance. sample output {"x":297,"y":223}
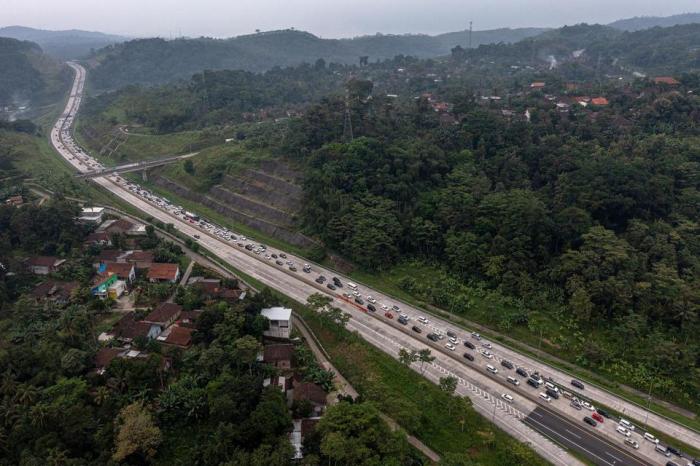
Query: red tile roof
{"x":537,"y":85}
{"x":159,"y":271}
{"x":121,"y":269}
{"x":180,"y":336}
{"x":599,"y":101}
{"x":165,"y":312}
{"x":666,"y":80}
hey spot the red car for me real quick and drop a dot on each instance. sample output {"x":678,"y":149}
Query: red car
{"x":598,"y":417}
{"x":389,"y":315}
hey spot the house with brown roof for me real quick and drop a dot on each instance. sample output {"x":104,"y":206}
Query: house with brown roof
{"x":99,"y":239}
{"x":124,"y":271}
{"x":189,"y":318}
{"x":179,"y":336}
{"x":140,"y":259}
{"x":122,"y":226}
{"x":105,"y":356}
{"x":537,"y":85}
{"x":107,"y":255}
{"x":164,"y":315}
{"x":128,"y":328}
{"x":599,"y":101}
{"x":311,"y":392}
{"x":54,"y":291}
{"x":279,"y":355}
{"x":667,"y":80}
{"x":44,"y":265}
{"x":161,"y":272}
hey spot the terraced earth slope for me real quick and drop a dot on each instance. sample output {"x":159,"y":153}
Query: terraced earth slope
{"x":266,"y":198}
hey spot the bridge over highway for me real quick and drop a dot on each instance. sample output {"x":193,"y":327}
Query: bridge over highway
{"x":135,"y":166}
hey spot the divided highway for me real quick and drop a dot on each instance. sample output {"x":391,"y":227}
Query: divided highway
{"x":546,"y":426}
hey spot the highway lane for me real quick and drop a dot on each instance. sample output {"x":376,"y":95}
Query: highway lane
{"x":285,"y":282}
{"x":586,"y":444}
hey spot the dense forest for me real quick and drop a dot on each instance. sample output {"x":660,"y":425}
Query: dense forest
{"x":593,"y":215}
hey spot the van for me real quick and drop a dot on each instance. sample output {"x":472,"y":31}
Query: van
{"x":662,"y":449}
{"x":551,"y":386}
{"x":650,"y":437}
{"x":532,"y":383}
{"x":627,"y":424}
{"x":491,"y":369}
{"x":513,"y":381}
{"x":352,"y":285}
{"x":552,"y":393}
{"x":566,"y":394}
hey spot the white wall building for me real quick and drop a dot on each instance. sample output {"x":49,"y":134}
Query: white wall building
{"x":280,"y":322}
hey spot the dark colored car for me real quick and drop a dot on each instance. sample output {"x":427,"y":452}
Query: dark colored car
{"x":451,"y":334}
{"x":279,"y":262}
{"x":403,"y":321}
{"x":330,"y":286}
{"x":507,"y":364}
{"x":416,"y":329}
{"x":469,"y":345}
{"x":370,"y":307}
{"x":521,"y":371}
{"x":359,"y":301}
{"x":433,"y":337}
{"x":249,"y":247}
{"x":671,"y":463}
{"x":274,"y":256}
{"x":577,"y":384}
{"x":590,"y":421}
{"x":468,"y":356}
{"x":322,"y":278}
{"x":292,"y":268}
{"x":553,"y":393}
{"x":388,"y":315}
{"x":283,"y":255}
{"x":337,"y":282}
{"x":673,"y":451}
{"x":532,"y":383}
{"x":319,"y":281}
{"x":603,"y":412}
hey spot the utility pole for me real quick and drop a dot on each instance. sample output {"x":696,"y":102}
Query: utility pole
{"x":470,"y":34}
{"x":347,"y":123}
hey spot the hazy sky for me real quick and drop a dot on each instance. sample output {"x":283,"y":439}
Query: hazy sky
{"x":327,"y":18}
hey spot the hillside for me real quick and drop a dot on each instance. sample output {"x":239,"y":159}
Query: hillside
{"x":646,"y":22}
{"x":594,"y":49}
{"x":63,"y":45}
{"x":153,"y":61}
{"x":29,"y":76}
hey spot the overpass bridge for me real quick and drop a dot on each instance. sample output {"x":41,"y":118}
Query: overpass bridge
{"x":135,"y":166}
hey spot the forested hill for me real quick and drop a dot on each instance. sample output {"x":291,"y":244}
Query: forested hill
{"x":62,"y":45}
{"x":154,"y":61}
{"x":28,"y":75}
{"x":659,"y":50}
{"x":646,"y":22}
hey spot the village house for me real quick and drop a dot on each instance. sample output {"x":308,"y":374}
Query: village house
{"x":140,"y":259}
{"x":599,"y":101}
{"x":311,"y":392}
{"x":54,"y":291}
{"x":160,"y":272}
{"x":164,"y":315}
{"x":44,"y":265}
{"x":98,"y":239}
{"x":280,"y":322}
{"x":279,"y":355}
{"x":124,"y":271}
{"x":667,"y":80}
{"x":179,"y":336}
{"x":128,"y":328}
{"x":105,"y":356}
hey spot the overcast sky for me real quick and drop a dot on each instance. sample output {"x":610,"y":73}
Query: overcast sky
{"x":326,"y":18}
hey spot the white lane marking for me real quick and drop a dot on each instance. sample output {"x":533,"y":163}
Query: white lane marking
{"x":613,"y":457}
{"x":575,"y":435}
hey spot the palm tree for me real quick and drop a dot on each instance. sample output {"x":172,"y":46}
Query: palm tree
{"x":26,"y":394}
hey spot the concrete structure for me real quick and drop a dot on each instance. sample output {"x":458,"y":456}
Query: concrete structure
{"x":280,"y":322}
{"x":44,"y":265}
{"x":92,"y":214}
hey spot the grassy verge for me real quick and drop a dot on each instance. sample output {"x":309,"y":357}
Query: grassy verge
{"x":416,"y":404}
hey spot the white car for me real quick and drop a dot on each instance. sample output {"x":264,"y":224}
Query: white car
{"x":476,"y":335}
{"x":587,"y":405}
{"x":371,"y":300}
{"x":487,"y":345}
{"x":486,"y":354}
{"x":491,"y":369}
{"x":632,"y":443}
{"x":650,"y":437}
{"x":627,"y":424}
{"x":453,"y":340}
{"x":423,"y":320}
{"x":545,"y":397}
{"x":357,"y":293}
{"x":507,"y":398}
{"x":450,"y":346}
{"x":623,"y":431}
{"x":385,"y":307}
